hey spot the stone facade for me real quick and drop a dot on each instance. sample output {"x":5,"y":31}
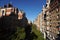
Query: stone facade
{"x":50,"y":19}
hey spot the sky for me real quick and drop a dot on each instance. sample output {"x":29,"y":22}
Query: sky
{"x":31,"y":7}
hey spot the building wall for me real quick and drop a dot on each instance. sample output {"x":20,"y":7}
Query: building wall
{"x":41,"y":20}
{"x":52,"y":19}
{"x":49,"y":22}
{"x":6,"y":11}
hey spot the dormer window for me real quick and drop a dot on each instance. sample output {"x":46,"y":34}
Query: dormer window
{"x":3,"y":12}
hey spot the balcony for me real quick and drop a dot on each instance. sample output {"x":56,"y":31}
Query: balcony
{"x":53,"y":5}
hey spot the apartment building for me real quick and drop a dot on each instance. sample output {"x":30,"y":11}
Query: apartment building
{"x":52,"y":18}
{"x":49,"y":22}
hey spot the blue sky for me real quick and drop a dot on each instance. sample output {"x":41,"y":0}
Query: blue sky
{"x":31,"y":7}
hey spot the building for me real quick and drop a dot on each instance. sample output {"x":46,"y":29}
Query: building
{"x":37,"y":22}
{"x":44,"y":21}
{"x":49,"y":22}
{"x":8,"y":9}
{"x":52,"y":18}
{"x":41,"y":21}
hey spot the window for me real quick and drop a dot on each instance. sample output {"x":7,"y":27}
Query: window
{"x":17,"y":10}
{"x":58,"y":22}
{"x":3,"y":12}
{"x":50,"y":25}
{"x":47,"y":23}
{"x":58,"y":17}
{"x":50,"y":20}
{"x":57,"y":10}
{"x":44,"y":16}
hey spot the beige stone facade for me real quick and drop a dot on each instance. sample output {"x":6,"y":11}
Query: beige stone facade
{"x":50,"y":19}
{"x":37,"y":22}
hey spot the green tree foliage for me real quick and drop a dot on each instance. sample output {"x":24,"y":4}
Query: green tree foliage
{"x":37,"y":33}
{"x":19,"y":34}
